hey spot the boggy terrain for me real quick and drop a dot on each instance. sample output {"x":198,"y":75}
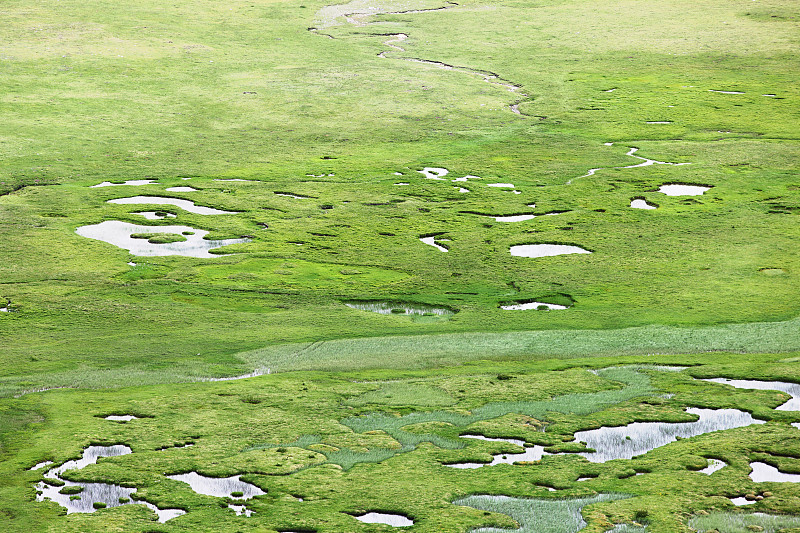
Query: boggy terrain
{"x":397,"y":210}
{"x":305,"y":451}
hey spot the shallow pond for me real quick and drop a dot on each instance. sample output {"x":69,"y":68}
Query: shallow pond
{"x":186,"y":205}
{"x":676,"y":189}
{"x":180,"y":189}
{"x":119,"y":234}
{"x":434,"y":173}
{"x":43,"y":464}
{"x":724,"y":92}
{"x":222,"y":487}
{"x":741,"y":500}
{"x":431,"y":241}
{"x":129,"y":182}
{"x":713,"y":466}
{"x":762,"y":472}
{"x":792,"y":389}
{"x":90,"y":493}
{"x":524,"y":306}
{"x":121,"y":418}
{"x":394,"y":520}
{"x":625,"y":442}
{"x":291,"y":195}
{"x":638,"y":203}
{"x":398,"y":308}
{"x":545,"y":250}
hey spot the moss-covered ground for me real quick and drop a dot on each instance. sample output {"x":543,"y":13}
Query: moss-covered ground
{"x":311,"y":123}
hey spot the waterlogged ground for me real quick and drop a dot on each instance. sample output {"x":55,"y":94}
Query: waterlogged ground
{"x":195,"y":212}
{"x":311,"y":451}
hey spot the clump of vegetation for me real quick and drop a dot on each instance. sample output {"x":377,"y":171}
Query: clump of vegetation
{"x":159,"y":238}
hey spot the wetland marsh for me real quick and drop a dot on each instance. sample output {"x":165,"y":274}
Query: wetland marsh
{"x":278,"y":266}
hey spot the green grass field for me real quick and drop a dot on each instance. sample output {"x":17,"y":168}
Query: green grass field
{"x":311,"y":124}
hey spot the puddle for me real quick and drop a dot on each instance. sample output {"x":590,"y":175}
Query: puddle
{"x":402,"y":183}
{"x":724,"y":92}
{"x":291,"y":195}
{"x":533,"y":453}
{"x":762,"y":472}
{"x":549,"y":515}
{"x":638,"y":203}
{"x":119,"y":234}
{"x":434,"y":173}
{"x":741,"y":500}
{"x":89,"y":457}
{"x":237,"y":179}
{"x":515,"y":218}
{"x":467,"y":178}
{"x":675,"y":189}
{"x":431,"y":241}
{"x":186,"y":205}
{"x":540,"y":306}
{"x":503,"y":185}
{"x":398,"y":308}
{"x":462,"y":190}
{"x":659,"y":122}
{"x":222,"y":487}
{"x":796,"y":424}
{"x":394,"y":520}
{"x":240,"y":510}
{"x":792,"y":389}
{"x":43,"y":464}
{"x":121,"y":418}
{"x":155,"y":215}
{"x":90,"y":493}
{"x":180,"y":189}
{"x":770,"y":95}
{"x":545,"y":250}
{"x":625,"y":442}
{"x":713,"y":466}
{"x":129,"y":182}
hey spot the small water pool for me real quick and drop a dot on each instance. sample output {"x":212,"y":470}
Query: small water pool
{"x":762,"y":472}
{"x":186,"y":205}
{"x":792,"y":389}
{"x":394,"y":520}
{"x":545,"y":250}
{"x":677,"y":189}
{"x":625,"y":442}
{"x":639,"y":203}
{"x":129,"y":182}
{"x":222,"y":487}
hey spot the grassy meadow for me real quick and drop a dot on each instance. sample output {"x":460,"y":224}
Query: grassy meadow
{"x":314,"y":126}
